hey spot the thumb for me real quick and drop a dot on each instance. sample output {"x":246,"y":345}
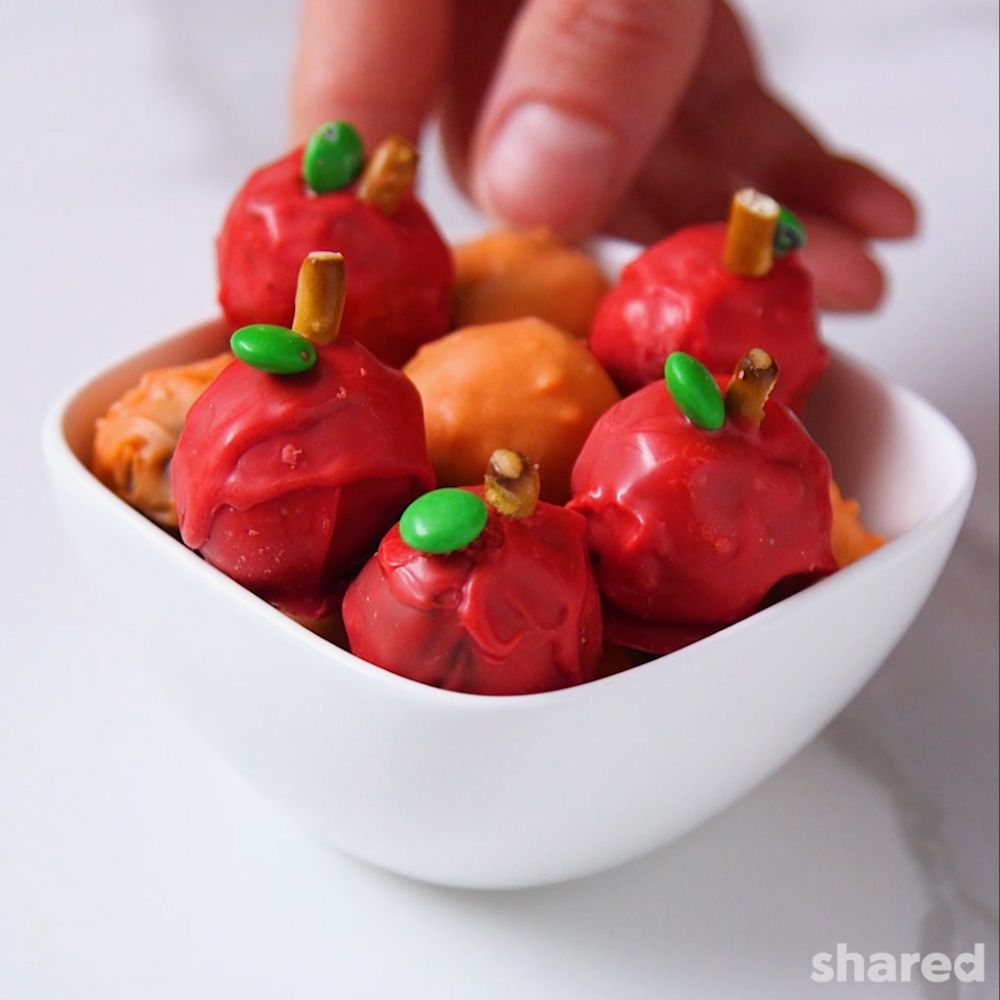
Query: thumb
{"x":583,"y":90}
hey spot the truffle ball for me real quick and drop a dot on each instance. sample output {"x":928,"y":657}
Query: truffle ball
{"x":524,"y":385}
{"x":511,"y":274}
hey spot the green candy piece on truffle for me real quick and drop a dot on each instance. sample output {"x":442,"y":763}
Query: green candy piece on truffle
{"x":789,"y":233}
{"x":694,"y":391}
{"x":443,"y":521}
{"x":273,"y":349}
{"x":333,"y":157}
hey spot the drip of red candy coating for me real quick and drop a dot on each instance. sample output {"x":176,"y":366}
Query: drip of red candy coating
{"x":515,"y":612}
{"x":286,"y":483}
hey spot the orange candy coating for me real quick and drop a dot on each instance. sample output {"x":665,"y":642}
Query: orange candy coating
{"x":135,"y":440}
{"x":511,"y":274}
{"x":523,"y":385}
{"x":850,"y":539}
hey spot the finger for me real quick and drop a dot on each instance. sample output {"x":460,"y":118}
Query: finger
{"x":849,"y":192}
{"x":847,"y":278}
{"x":583,"y":90}
{"x":635,"y":219}
{"x":683,"y":186}
{"x":778,"y":154}
{"x":479,"y":31}
{"x":739,"y":122}
{"x":376,"y":63}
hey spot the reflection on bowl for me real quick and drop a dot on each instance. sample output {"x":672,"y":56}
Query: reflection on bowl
{"x":515,"y":791}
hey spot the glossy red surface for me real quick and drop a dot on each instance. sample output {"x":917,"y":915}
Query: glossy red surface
{"x":399,"y":269}
{"x":287,"y":483}
{"x":515,"y":612}
{"x":677,"y":296}
{"x":648,"y":636}
{"x":694,"y":527}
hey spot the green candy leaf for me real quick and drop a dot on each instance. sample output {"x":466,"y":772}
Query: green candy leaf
{"x":789,"y":233}
{"x":694,"y":391}
{"x":273,"y":349}
{"x":443,"y":521}
{"x":333,"y":157}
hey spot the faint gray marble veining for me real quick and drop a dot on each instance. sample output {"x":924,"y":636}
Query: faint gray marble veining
{"x":890,"y":735}
{"x":953,"y":913}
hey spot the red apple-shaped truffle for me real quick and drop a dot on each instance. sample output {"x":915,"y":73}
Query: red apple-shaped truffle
{"x":692,"y":293}
{"x":658,"y":638}
{"x":511,"y":609}
{"x":693,"y":526}
{"x":286,"y":482}
{"x":399,"y":268}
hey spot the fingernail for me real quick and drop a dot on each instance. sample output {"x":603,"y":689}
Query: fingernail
{"x":546,"y":167}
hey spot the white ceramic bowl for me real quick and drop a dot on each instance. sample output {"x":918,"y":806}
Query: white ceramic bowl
{"x":473,"y":791}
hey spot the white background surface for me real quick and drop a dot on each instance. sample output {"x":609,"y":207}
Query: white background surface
{"x":134,"y":864}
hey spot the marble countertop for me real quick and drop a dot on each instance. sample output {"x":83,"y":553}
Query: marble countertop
{"x":134,"y":863}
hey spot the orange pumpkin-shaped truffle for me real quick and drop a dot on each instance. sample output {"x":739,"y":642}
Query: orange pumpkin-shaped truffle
{"x":523,"y":384}
{"x":510,"y":274}
{"x":135,"y":440}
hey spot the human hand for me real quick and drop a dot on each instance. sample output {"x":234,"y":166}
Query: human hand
{"x":632,"y":117}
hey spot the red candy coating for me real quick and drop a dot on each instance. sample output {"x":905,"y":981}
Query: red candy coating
{"x":286,"y":483}
{"x":648,"y":636}
{"x":515,"y":612}
{"x":399,"y":269}
{"x":694,"y":527}
{"x":678,"y":296}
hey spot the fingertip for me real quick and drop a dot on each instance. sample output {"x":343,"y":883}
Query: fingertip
{"x":547,"y":166}
{"x":869,"y":202}
{"x":303,"y":116}
{"x":374,"y":121}
{"x":900,"y":213}
{"x":847,"y":276}
{"x":859,"y":285}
